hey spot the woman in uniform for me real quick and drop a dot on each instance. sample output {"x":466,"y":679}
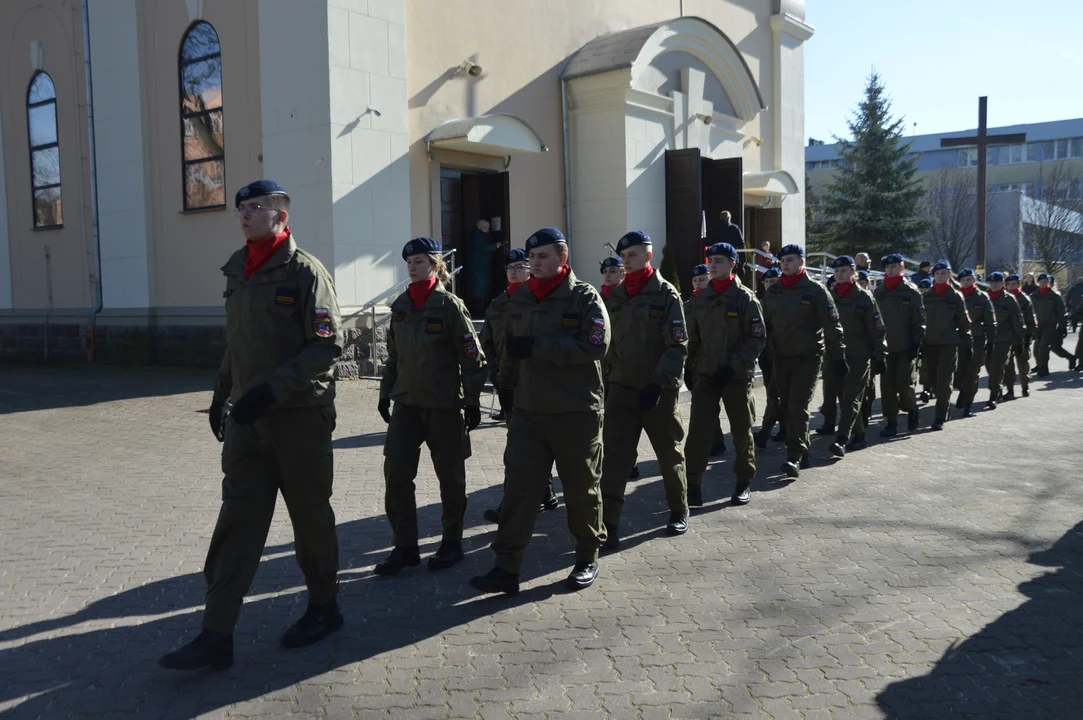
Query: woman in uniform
{"x":435,"y":372}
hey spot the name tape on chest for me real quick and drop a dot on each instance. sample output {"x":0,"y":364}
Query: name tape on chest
{"x":286,"y":296}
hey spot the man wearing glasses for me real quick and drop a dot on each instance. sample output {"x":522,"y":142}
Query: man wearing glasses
{"x":283,"y":336}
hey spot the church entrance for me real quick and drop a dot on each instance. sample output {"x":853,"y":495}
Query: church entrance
{"x":466,"y":198}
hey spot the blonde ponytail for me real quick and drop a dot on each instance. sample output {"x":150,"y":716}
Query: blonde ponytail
{"x":442,"y":274}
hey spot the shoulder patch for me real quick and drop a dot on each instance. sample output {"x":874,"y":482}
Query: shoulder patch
{"x":679,"y":333}
{"x":470,"y":346}
{"x":597,"y":332}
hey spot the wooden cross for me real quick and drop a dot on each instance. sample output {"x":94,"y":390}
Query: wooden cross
{"x":982,"y":140}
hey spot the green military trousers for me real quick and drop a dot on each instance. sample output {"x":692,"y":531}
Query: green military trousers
{"x":736,"y":397}
{"x":289,"y":451}
{"x":998,"y":364}
{"x":795,"y":378}
{"x":1049,"y":340}
{"x":969,"y":373}
{"x":897,"y":386}
{"x":535,"y":441}
{"x":623,"y":424}
{"x":1020,"y":361}
{"x":939,"y":362}
{"x":772,"y":413}
{"x":868,"y":399}
{"x":449,"y":445}
{"x":849,"y":393}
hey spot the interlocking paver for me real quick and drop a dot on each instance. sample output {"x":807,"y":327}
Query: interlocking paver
{"x":929,"y":576}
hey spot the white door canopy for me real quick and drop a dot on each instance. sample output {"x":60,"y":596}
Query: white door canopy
{"x":497,"y":135}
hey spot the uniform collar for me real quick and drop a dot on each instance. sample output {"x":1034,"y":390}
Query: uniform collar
{"x":403,"y":303}
{"x":235,"y":265}
{"x":562,"y":291}
{"x":709,"y":291}
{"x":652,"y":285}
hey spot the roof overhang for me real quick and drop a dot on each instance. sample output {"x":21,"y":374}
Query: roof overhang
{"x":497,"y":135}
{"x":773,"y":183}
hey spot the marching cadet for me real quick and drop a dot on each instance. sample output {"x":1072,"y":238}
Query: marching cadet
{"x":1020,"y":354}
{"x":726,"y":335}
{"x":903,"y":313}
{"x":283,"y":336}
{"x":983,"y":327}
{"x":557,"y":332}
{"x":700,"y":279}
{"x":863,"y":331}
{"x":947,"y":333}
{"x":1052,"y":321}
{"x":1010,"y":334}
{"x":801,"y":318}
{"x":870,"y":390}
{"x":645,"y":362}
{"x":434,"y":374}
{"x":492,"y":344}
{"x":772,"y":413}
{"x":613,"y":275}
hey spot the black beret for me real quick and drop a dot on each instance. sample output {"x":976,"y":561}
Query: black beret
{"x":545,"y":236}
{"x":420,"y":246}
{"x":1013,"y":276}
{"x":636,"y":237}
{"x":698,"y":270}
{"x":724,"y":249}
{"x":611,"y":262}
{"x":258,"y":188}
{"x":965,"y":273}
{"x":892,"y":259}
{"x":942,"y":265}
{"x":790,"y":250}
{"x":773,"y":272}
{"x":995,"y":276}
{"x":843,"y":261}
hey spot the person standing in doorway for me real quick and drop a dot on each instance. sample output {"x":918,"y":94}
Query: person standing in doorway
{"x":726,"y":231}
{"x":478,"y":268}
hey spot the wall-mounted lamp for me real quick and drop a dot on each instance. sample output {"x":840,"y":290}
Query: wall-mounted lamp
{"x":372,"y":110}
{"x":470,"y":68}
{"x":704,"y":118}
{"x":751,"y":139}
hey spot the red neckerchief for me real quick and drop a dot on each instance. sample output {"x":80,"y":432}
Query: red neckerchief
{"x":512,"y":287}
{"x":636,"y":281}
{"x":696,"y":291}
{"x":721,"y":285}
{"x":607,"y":290}
{"x":261,"y":250}
{"x":542,"y":288}
{"x":1016,"y":292}
{"x":420,"y":291}
{"x":968,"y":291}
{"x":788,"y":281}
{"x":843,"y":289}
{"x":941,"y":288}
{"x":1043,"y":290}
{"x":892,"y":282}
{"x":996,"y":294}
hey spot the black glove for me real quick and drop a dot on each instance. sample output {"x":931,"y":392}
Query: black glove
{"x":255,"y":402}
{"x":507,"y":400}
{"x":879,"y":367}
{"x":384,"y":408}
{"x":648,"y":396}
{"x":472,"y":416}
{"x":214,"y":414}
{"x":722,"y":376}
{"x":520,"y":348}
{"x":842,"y":368}
{"x":914,"y":352}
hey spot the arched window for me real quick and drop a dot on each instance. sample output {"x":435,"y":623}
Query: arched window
{"x":202,"y":140}
{"x":44,"y":151}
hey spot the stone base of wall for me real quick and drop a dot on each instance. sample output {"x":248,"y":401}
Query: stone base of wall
{"x":38,"y":342}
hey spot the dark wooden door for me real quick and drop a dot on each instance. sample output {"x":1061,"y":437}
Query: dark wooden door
{"x":684,"y":205}
{"x":496,"y":203}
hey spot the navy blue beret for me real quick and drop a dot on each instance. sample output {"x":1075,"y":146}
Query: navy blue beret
{"x":965,"y":273}
{"x":925,"y":283}
{"x":545,"y":236}
{"x":995,"y":277}
{"x":891,"y":259}
{"x":1013,"y":276}
{"x":862,"y":276}
{"x":612,"y":262}
{"x":773,"y":272}
{"x":420,"y":246}
{"x":635,"y":237}
{"x":843,"y":261}
{"x":515,"y":255}
{"x":942,"y":265}
{"x":698,"y":270}
{"x":723,"y":249}
{"x":258,"y":188}
{"x":1045,"y":276}
{"x":790,"y":250}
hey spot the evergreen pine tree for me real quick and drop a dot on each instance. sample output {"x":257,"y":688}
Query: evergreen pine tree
{"x":815,"y":238}
{"x":874,"y":202}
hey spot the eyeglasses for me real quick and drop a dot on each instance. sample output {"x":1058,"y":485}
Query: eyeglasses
{"x":249,"y":210}
{"x":518,"y":267}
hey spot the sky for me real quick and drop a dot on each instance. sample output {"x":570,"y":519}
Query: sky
{"x":937,"y":56}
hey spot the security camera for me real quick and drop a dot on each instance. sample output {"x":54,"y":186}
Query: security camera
{"x":470,"y":68}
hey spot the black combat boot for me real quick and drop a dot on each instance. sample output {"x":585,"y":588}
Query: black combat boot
{"x":742,"y":494}
{"x":678,"y":523}
{"x":209,"y":649}
{"x":582,"y":576}
{"x":838,"y":448}
{"x":496,"y":581}
{"x":826,"y":429}
{"x":450,"y":553}
{"x":890,"y":430}
{"x":318,"y":622}
{"x":399,"y":559}
{"x":856,"y":443}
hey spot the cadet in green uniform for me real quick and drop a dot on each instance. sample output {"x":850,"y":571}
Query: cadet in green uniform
{"x":983,"y":327}
{"x":870,"y":390}
{"x":613,"y":275}
{"x":701,"y":278}
{"x":801,"y":317}
{"x":903,"y":312}
{"x":726,"y":336}
{"x":1010,"y":333}
{"x":1020,"y":354}
{"x":491,"y":336}
{"x":863,"y":331}
{"x":927,"y":393}
{"x":283,"y":336}
{"x":645,"y":363}
{"x":558,"y":332}
{"x":772,"y":413}
{"x":947,"y":333}
{"x":434,"y":374}
{"x":1052,"y":321}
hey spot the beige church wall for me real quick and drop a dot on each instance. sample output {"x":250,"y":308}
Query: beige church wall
{"x":188,"y":249}
{"x":57,"y":27}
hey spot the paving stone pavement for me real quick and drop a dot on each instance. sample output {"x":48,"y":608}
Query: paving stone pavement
{"x":936,"y":575}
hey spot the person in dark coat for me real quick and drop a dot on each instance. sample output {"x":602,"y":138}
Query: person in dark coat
{"x":923,"y":273}
{"x":724,"y":231}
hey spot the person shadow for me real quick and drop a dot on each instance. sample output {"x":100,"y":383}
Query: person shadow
{"x":49,"y":670}
{"x":1027,"y":663}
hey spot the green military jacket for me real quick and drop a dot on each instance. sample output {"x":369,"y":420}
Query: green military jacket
{"x":283,"y":328}
{"x":725,"y":329}
{"x":433,"y":358}
{"x":492,"y":337}
{"x":1049,"y":309}
{"x":862,"y":326}
{"x":801,"y":319}
{"x":649,"y":339}
{"x":983,"y":320}
{"x":572,"y":334}
{"x":1030,"y":325}
{"x":947,"y":320}
{"x":903,"y":313}
{"x":1009,"y":318}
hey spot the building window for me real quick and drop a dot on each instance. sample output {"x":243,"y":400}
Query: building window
{"x":202,"y":139}
{"x":1062,"y":149}
{"x":1077,"y":147}
{"x":968,"y":158}
{"x":44,"y":151}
